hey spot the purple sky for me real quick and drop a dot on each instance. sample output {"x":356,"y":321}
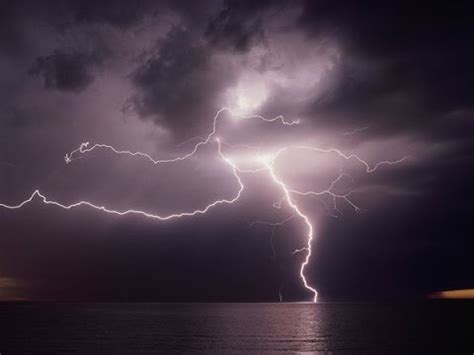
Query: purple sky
{"x":380,"y":81}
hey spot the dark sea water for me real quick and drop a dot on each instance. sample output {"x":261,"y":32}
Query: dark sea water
{"x":149,"y":328}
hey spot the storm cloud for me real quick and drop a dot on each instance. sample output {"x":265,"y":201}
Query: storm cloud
{"x":384,"y":81}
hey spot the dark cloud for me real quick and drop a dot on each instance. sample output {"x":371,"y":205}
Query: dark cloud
{"x":404,"y":66}
{"x":65,"y":71}
{"x":177,"y":84}
{"x":11,"y":34}
{"x":121,"y":14}
{"x":126,"y":15}
{"x":238,"y":25}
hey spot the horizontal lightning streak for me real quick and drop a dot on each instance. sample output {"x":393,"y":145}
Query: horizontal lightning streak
{"x":139,"y":212}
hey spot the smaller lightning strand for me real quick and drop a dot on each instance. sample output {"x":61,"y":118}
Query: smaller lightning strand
{"x":330,"y":191}
{"x":86,"y":148}
{"x":342,"y":155}
{"x":355,"y":131}
{"x":273,"y":226}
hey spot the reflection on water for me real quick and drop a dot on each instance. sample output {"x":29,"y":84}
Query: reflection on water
{"x":233,"y":328}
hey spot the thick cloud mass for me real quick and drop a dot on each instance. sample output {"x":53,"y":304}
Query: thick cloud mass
{"x":380,"y":80}
{"x":238,"y":25}
{"x":176,"y":83}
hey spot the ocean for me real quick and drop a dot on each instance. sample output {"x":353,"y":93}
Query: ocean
{"x":150,"y":328}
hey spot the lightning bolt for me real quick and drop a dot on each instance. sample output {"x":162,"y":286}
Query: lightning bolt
{"x":287,"y":192}
{"x":306,"y":221}
{"x":264,"y":164}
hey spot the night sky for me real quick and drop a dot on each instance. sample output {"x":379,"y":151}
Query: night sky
{"x":383,"y":81}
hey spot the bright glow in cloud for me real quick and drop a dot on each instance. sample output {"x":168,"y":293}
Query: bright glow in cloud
{"x":292,"y":75}
{"x":248,"y":96}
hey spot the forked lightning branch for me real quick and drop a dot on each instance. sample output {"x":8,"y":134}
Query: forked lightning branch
{"x":261,"y":164}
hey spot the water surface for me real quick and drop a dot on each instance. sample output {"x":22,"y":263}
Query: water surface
{"x":146,"y":328}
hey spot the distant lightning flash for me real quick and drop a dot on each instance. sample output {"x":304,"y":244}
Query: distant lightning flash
{"x":265,"y":163}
